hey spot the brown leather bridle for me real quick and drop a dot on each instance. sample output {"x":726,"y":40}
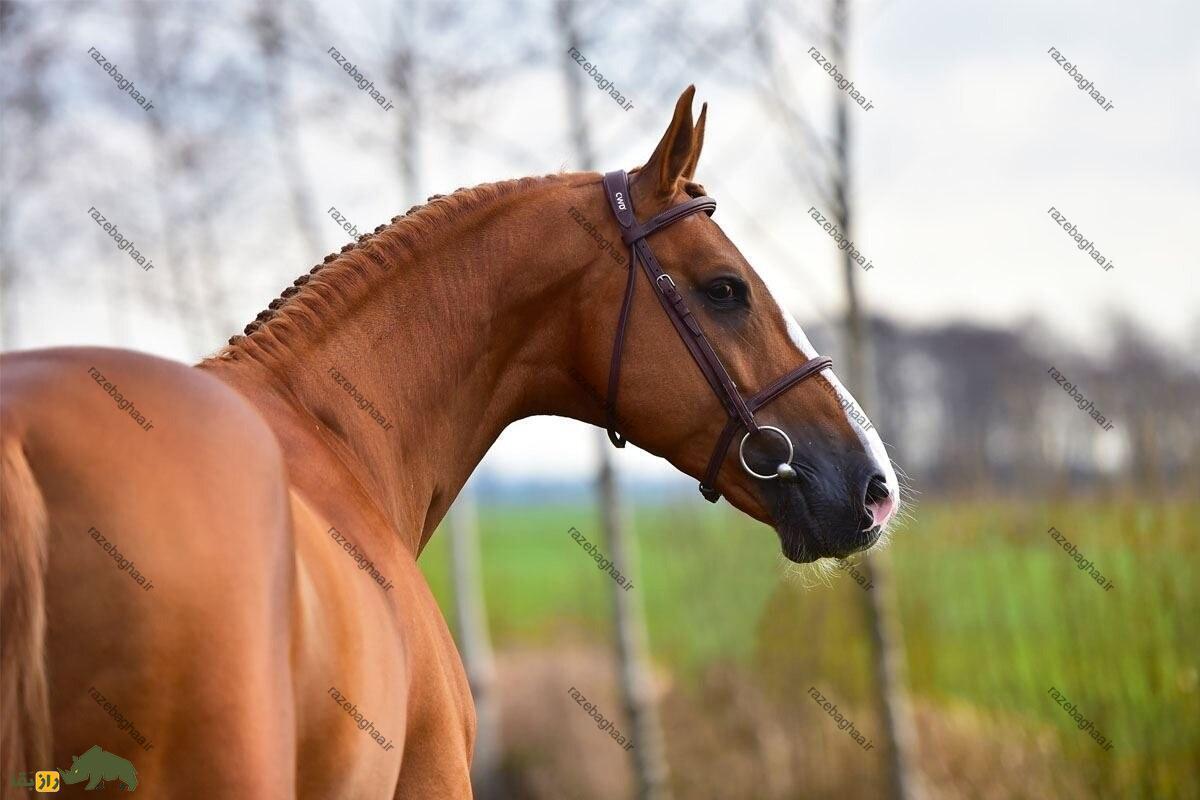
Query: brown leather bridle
{"x":740,"y":410}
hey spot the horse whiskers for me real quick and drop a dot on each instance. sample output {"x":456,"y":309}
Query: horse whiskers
{"x":809,"y":576}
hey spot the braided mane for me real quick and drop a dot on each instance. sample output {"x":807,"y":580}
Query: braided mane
{"x":351,"y":271}
{"x":269,"y":312}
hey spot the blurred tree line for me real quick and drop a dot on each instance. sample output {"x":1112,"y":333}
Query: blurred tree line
{"x":974,"y":409}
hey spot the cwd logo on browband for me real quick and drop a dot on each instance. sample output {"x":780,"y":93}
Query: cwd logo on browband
{"x":620,"y":201}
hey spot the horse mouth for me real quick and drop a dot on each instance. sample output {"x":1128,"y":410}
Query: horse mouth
{"x":804,"y":539}
{"x":800,"y":548}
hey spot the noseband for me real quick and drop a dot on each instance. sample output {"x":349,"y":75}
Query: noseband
{"x":739,"y":410}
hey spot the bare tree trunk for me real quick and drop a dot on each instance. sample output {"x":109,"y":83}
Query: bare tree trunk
{"x":466,"y":577}
{"x":218,"y":295}
{"x":403,"y":69}
{"x":637,"y":693}
{"x":637,"y":689}
{"x":270,"y":35}
{"x":192,"y":315}
{"x":27,"y":103}
{"x":883,"y":616}
{"x":10,"y":276}
{"x":887,"y":656}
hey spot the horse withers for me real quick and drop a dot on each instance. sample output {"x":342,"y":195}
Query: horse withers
{"x":227,"y":553}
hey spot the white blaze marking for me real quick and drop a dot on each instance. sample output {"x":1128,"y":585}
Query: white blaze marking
{"x":868,"y":437}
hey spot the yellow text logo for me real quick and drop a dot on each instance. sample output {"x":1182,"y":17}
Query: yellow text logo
{"x":46,"y":782}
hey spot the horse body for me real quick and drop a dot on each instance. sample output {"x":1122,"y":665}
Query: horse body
{"x":253,"y":616}
{"x":265,"y":661}
{"x":186,"y":637}
{"x":228,"y":504}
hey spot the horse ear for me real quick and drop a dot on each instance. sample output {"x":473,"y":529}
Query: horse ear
{"x":689,"y":169}
{"x":675,"y":152}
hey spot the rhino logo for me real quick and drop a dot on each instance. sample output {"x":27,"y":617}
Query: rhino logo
{"x":97,"y":766}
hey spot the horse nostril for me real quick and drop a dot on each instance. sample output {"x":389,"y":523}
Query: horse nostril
{"x":878,"y":502}
{"x":877,"y":490}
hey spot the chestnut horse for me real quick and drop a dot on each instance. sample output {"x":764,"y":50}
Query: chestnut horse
{"x":211,"y":571}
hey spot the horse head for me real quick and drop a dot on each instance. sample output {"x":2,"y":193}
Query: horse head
{"x":807,"y":461}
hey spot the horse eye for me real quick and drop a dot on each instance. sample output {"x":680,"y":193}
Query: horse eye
{"x":721,"y":291}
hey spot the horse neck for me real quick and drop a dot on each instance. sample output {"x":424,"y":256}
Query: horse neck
{"x":468,"y":330}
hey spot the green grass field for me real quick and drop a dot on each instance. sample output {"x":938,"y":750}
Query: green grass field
{"x":994,"y":613}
